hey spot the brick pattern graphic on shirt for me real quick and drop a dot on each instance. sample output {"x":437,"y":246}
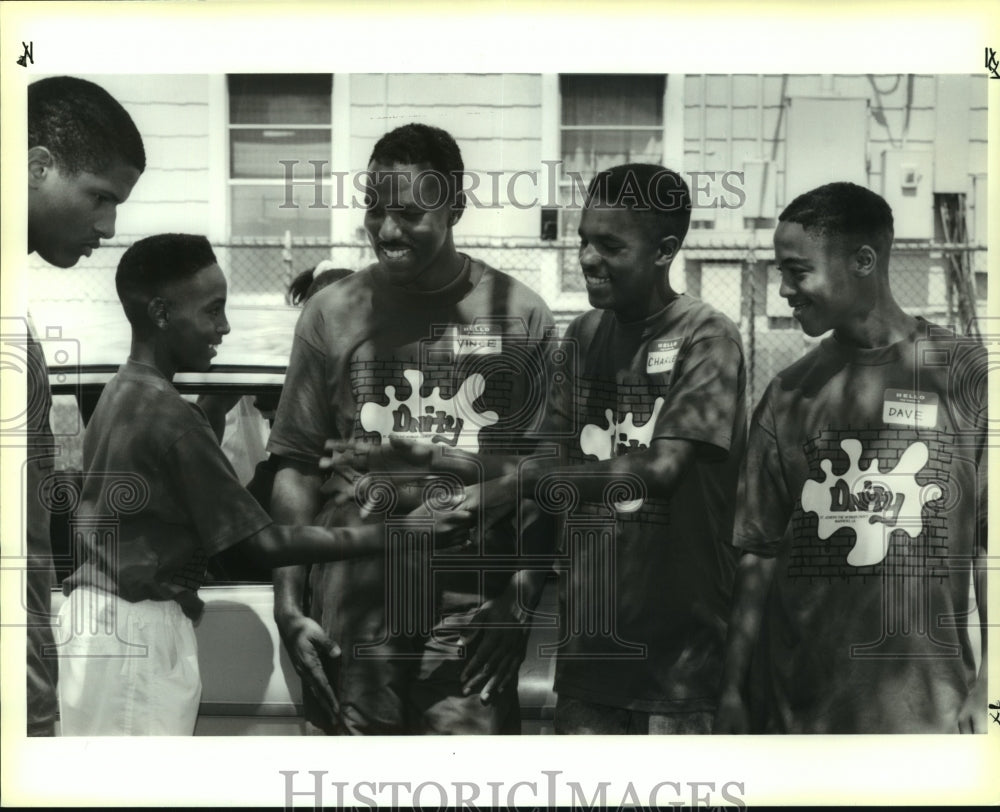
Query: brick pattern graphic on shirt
{"x":922,"y":556}
{"x":634,"y":408}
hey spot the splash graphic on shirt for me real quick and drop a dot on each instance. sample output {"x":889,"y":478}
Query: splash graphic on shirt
{"x":869,"y":502}
{"x":619,"y":438}
{"x":431,"y":418}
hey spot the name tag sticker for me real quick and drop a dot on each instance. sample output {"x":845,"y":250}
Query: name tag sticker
{"x":911,"y":409}
{"x":663,"y":355}
{"x":473,"y":339}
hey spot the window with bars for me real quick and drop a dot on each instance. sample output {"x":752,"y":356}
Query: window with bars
{"x":275,"y":118}
{"x":605,"y":120}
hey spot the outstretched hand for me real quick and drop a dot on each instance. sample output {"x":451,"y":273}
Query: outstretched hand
{"x":399,"y":455}
{"x":498,"y":647}
{"x":310,"y":649}
{"x":453,"y":522}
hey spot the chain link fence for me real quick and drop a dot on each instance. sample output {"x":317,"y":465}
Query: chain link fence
{"x":944,"y":283}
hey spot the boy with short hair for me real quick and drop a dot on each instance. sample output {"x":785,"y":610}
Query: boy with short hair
{"x":862,"y":510}
{"x":437,"y":346}
{"x":668,"y":371}
{"x":84,"y":156}
{"x":153,"y":465}
{"x":660,"y":395}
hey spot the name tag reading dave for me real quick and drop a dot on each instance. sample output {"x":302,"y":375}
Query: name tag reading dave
{"x":911,"y":409}
{"x":663,"y":355}
{"x":477,"y":339}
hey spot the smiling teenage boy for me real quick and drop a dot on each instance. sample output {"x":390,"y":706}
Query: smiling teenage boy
{"x":862,"y":510}
{"x":152,"y":459}
{"x":434,"y":345}
{"x":659,"y":395}
{"x":84,"y":156}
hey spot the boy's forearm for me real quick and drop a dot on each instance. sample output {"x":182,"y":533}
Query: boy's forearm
{"x":659,"y":468}
{"x":294,"y":500}
{"x":473,"y":468}
{"x":288,"y":545}
{"x":289,"y":590}
{"x":289,"y":548}
{"x":753,"y":579}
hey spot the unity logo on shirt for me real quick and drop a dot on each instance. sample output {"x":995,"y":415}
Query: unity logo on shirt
{"x":431,"y":418}
{"x":869,"y":502}
{"x":619,"y":437}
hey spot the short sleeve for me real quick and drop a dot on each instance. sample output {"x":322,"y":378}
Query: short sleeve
{"x":707,"y":391}
{"x":763,"y":504}
{"x":302,"y":422}
{"x":220,"y":509}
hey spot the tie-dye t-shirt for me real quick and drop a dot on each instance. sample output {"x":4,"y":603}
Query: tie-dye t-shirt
{"x":865,"y":477}
{"x":159,"y":496}
{"x":461,"y":367}
{"x":646,"y":582}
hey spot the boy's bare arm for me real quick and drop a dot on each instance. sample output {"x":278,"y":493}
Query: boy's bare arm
{"x":284,"y":543}
{"x":295,"y":500}
{"x":971,"y":717}
{"x":660,"y":467}
{"x":753,"y":579}
{"x":510,"y":477}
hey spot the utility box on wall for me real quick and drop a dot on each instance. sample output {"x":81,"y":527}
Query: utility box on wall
{"x":826,"y":141}
{"x":907,"y":186}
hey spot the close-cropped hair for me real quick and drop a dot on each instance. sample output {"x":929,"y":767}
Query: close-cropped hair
{"x":659,"y":194}
{"x":841,"y":210}
{"x":151,"y":263}
{"x":423,"y":144}
{"x":82,"y":125}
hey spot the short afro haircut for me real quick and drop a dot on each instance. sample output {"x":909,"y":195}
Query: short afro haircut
{"x":154,"y":262}
{"x":842,"y":211}
{"x":423,"y":144}
{"x":659,"y":195}
{"x":82,"y":125}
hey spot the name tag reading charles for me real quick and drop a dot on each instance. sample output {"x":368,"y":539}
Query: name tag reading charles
{"x":911,"y":409}
{"x":663,"y":355}
{"x":478,"y":339}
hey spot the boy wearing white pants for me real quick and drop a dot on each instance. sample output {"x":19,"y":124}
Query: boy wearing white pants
{"x":159,"y":498}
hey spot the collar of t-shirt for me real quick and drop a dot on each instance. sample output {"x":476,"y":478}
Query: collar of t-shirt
{"x":644,"y":328}
{"x":873,"y":356}
{"x":150,"y":375}
{"x":456,"y":290}
{"x":139,"y":369}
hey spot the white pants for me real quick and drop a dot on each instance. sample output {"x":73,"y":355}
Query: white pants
{"x":126,"y":669}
